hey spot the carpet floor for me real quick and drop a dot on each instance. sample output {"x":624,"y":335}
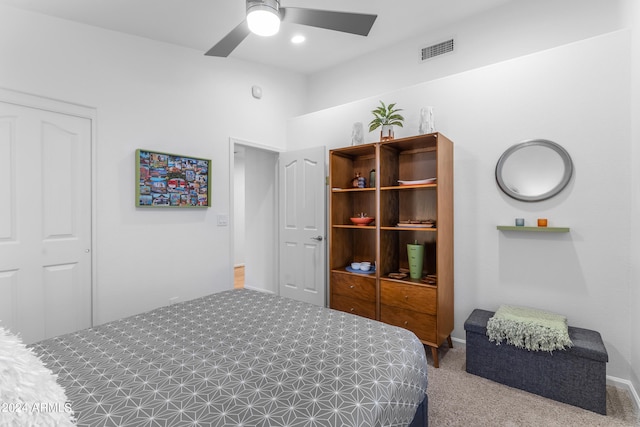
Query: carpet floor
{"x":457,"y":398}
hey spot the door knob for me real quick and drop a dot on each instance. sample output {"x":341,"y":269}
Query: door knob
{"x":317,"y":238}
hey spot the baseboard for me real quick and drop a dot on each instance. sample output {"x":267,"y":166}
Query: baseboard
{"x":259,"y":290}
{"x":612,"y":381}
{"x":459,"y":341}
{"x":625,"y":385}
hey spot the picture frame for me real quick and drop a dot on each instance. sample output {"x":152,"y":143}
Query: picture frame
{"x":166,"y":180}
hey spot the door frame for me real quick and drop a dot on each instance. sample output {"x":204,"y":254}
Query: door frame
{"x":24,"y":99}
{"x":232,"y":142}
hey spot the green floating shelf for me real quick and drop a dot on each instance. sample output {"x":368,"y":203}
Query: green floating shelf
{"x":538,"y":229}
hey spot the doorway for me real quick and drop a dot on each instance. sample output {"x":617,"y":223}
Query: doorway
{"x":238,"y":215}
{"x":254,"y":216}
{"x":278,"y":207}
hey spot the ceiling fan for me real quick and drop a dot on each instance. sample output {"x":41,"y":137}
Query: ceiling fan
{"x":264,"y":17}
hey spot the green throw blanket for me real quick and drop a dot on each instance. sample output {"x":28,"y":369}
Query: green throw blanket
{"x":529,"y":328}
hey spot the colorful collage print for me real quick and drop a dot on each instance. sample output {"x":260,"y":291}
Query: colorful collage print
{"x":173,"y":181}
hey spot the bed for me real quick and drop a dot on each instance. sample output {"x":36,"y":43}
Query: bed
{"x":241,"y":358}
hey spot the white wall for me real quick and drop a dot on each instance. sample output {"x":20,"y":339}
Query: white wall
{"x":576,"y":95}
{"x":633,"y":15}
{"x":515,"y":29}
{"x":156,"y":96}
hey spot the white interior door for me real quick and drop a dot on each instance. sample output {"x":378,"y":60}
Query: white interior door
{"x":45,"y":222}
{"x":302,"y":225}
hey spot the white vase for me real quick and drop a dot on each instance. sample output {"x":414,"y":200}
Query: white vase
{"x":357,"y":134}
{"x":427,"y":124}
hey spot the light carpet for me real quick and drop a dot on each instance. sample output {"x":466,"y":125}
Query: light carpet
{"x":457,"y":398}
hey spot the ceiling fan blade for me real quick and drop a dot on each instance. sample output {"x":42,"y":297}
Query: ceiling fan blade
{"x":225,"y":46}
{"x":346,"y":22}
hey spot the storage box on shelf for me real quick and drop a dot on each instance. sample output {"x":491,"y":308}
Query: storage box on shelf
{"x":414,"y":184}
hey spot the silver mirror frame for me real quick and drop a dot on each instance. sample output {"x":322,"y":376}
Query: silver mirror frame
{"x":566,"y":176}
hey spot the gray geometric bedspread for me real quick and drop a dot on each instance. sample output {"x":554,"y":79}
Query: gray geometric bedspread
{"x":240,"y":358}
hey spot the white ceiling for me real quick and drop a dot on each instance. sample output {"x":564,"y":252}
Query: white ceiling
{"x":199,"y":24}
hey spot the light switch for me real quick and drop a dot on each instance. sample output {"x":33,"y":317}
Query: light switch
{"x":223,"y":220}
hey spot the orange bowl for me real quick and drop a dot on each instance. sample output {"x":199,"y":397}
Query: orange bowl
{"x":362,"y":220}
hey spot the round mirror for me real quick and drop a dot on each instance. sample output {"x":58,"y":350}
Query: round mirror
{"x":534,"y":170}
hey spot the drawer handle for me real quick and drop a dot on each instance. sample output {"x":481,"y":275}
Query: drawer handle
{"x":351,"y":287}
{"x":406,"y":322}
{"x":406,"y":297}
{"x":352,"y":309}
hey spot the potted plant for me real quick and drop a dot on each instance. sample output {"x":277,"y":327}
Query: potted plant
{"x":386,"y":116}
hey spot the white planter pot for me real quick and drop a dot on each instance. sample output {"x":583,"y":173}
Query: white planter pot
{"x":386,"y":133}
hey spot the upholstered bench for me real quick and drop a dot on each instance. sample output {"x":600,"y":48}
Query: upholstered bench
{"x":576,"y":376}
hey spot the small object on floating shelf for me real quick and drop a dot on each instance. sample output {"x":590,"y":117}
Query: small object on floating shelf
{"x":519,"y":222}
{"x":542,"y":222}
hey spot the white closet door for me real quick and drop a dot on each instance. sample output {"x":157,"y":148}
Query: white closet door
{"x":45,"y":222}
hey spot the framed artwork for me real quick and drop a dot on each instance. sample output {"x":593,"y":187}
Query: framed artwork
{"x":172,"y":181}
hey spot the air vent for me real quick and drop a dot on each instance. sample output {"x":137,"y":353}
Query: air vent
{"x":437,"y":49}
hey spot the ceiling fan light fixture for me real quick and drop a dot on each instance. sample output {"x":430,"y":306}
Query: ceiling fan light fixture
{"x":270,"y":11}
{"x":263,"y":17}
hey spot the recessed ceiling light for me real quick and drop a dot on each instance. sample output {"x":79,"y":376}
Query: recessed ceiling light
{"x":297,"y":39}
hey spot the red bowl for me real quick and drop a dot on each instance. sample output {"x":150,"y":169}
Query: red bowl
{"x":366,"y":220}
